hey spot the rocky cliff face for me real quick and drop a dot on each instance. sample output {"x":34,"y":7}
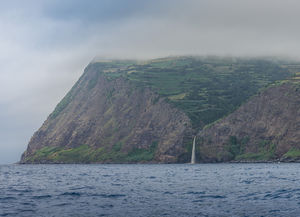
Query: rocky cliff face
{"x":266,"y":128}
{"x":130,"y":111}
{"x":110,"y":120}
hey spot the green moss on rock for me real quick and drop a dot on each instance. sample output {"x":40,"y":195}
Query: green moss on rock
{"x":292,"y":153}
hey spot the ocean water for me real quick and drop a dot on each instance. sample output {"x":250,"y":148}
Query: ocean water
{"x":150,"y":190}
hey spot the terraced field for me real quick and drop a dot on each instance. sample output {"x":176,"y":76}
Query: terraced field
{"x":205,"y":88}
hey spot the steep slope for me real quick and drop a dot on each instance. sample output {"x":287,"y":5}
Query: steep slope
{"x":131,"y":111}
{"x":265,"y":128}
{"x":205,"y":88}
{"x":109,"y":121}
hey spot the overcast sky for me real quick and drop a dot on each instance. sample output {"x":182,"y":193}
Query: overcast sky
{"x":45,"y":45}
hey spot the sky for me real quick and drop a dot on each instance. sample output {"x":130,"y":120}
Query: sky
{"x":46,"y":44}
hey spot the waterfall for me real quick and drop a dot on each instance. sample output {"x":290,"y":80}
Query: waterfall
{"x":193,"y":158}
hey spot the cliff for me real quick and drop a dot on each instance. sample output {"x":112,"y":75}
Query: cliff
{"x":149,"y":111}
{"x":267,"y":128}
{"x":109,"y":121}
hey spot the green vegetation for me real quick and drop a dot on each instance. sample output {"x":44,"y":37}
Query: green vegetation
{"x":117,"y":147}
{"x":206,"y":88}
{"x":261,"y":156}
{"x":235,"y":146}
{"x":78,"y":154}
{"x":292,"y":153}
{"x":44,"y":153}
{"x":92,"y":83}
{"x":61,"y":105}
{"x":86,"y":154}
{"x":139,"y":155}
{"x":66,"y":100}
{"x":266,"y":151}
{"x":82,"y":154}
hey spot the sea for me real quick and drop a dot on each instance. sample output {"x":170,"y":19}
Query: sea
{"x":114,"y":190}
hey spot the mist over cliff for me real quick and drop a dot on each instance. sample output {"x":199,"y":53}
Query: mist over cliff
{"x":125,"y":111}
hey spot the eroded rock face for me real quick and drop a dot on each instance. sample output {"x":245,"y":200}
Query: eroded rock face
{"x":111,"y":121}
{"x":265,"y":128}
{"x":131,"y":111}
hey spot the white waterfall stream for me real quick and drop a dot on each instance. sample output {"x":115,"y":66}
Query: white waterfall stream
{"x":193,"y":158}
